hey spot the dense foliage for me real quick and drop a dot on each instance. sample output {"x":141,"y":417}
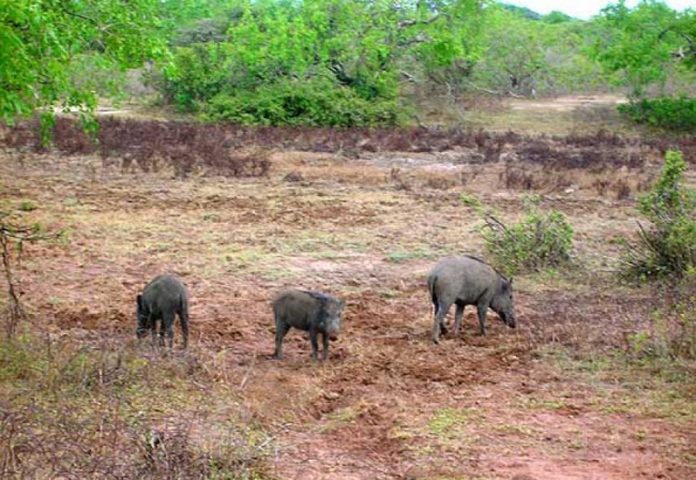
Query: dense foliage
{"x":315,"y":102}
{"x":261,"y":62}
{"x":670,"y":113}
{"x":323,"y":62}
{"x":41,"y":42}
{"x":336,"y":62}
{"x":646,"y":45}
{"x":527,"y":57}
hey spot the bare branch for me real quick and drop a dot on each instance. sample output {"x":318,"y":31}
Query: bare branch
{"x":78,"y":15}
{"x":409,"y":23}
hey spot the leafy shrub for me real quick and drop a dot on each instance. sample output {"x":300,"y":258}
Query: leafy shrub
{"x":27,"y":206}
{"x":669,"y":113}
{"x":668,"y":247}
{"x":538,"y":241}
{"x":316,"y":102}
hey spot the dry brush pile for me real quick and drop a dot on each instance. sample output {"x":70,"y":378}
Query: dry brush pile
{"x":239,"y":151}
{"x":149,"y":144}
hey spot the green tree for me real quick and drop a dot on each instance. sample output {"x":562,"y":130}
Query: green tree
{"x":523,"y":56}
{"x":359,"y":50}
{"x":685,"y":28}
{"x":42,"y":40}
{"x":556,"y":17}
{"x":640,"y":46}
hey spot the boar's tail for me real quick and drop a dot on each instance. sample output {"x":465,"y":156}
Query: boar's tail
{"x":183,"y":306}
{"x":431,"y":287}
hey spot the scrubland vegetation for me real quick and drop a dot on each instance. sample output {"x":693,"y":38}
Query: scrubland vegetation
{"x":345,"y":147}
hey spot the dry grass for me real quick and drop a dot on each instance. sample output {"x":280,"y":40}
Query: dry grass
{"x":114,"y":410}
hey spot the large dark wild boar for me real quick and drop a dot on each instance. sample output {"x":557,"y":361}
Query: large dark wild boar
{"x":309,"y":311}
{"x":469,"y":281}
{"x":163,"y":298}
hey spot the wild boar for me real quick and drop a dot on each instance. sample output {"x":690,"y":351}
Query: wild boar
{"x":163,"y":298}
{"x":309,"y":311}
{"x":469,"y":281}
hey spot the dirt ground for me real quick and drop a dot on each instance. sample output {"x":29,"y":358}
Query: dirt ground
{"x":547,"y":400}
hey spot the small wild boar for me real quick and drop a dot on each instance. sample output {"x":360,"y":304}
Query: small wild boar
{"x":309,"y":311}
{"x":163,"y":298}
{"x":469,"y":281}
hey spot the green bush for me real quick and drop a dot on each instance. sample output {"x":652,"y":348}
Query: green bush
{"x":315,"y":102}
{"x":538,"y":241}
{"x":668,"y":247}
{"x":669,"y":113}
{"x":195,"y":76}
{"x":27,"y":206}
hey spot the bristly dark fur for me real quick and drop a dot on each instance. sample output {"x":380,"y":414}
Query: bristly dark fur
{"x":319,"y":296}
{"x":486,"y":263}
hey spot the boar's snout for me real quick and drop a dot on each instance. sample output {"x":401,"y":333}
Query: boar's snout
{"x":332,"y":331}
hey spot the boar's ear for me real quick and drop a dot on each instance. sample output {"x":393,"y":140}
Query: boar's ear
{"x":139,"y":299}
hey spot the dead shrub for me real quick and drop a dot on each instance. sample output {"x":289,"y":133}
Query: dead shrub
{"x":69,"y":137}
{"x":103,"y":412}
{"x":399,"y":179}
{"x":601,"y":186}
{"x":622,"y":189}
{"x":144,"y":140}
{"x":439,"y":181}
{"x":518,"y":178}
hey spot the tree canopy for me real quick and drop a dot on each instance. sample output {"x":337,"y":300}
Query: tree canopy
{"x":331,"y":62}
{"x":641,"y":46}
{"x":40,"y":40}
{"x":349,"y":51}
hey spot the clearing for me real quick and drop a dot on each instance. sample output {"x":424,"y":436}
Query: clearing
{"x":550,"y":400}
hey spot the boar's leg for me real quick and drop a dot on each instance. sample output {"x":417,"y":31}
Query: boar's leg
{"x":482,"y":309}
{"x":281,"y":330}
{"x":436,"y":328}
{"x":168,"y":328}
{"x":314,"y":342}
{"x":325,"y":341}
{"x":152,"y":324}
{"x":439,"y":323}
{"x":183,"y":317}
{"x":458,"y":315}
